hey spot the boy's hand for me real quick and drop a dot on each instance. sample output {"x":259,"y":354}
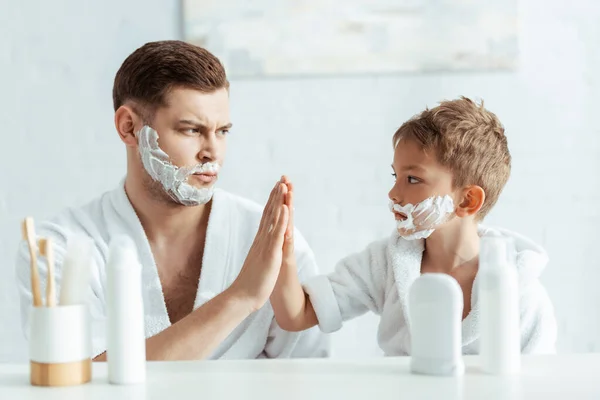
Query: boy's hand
{"x":260,"y":271}
{"x":288,"y":244}
{"x":292,"y":308}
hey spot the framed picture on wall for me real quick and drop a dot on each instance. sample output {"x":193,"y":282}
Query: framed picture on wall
{"x":270,"y":38}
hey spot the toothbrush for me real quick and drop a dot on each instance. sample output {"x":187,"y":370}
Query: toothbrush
{"x":47,"y":251}
{"x":76,"y":271}
{"x":28,"y":232}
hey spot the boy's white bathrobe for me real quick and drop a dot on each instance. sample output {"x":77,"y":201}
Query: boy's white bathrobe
{"x":232,"y":226}
{"x":378,"y":279}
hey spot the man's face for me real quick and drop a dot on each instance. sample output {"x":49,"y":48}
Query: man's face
{"x":192,"y":129}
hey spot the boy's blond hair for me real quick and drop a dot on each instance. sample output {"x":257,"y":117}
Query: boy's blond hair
{"x":468,"y":140}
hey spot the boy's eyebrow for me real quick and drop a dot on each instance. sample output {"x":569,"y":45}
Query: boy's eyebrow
{"x":413,"y":168}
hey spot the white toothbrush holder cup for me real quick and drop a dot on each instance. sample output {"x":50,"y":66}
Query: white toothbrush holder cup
{"x":60,"y":346}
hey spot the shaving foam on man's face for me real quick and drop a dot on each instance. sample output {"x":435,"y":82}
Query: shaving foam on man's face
{"x":173,"y":178}
{"x":419,"y":221}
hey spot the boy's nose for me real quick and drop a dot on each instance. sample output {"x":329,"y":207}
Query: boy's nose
{"x":393,"y":196}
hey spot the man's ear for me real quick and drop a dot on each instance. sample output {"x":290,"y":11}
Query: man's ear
{"x":127,"y":122}
{"x":473,"y":198}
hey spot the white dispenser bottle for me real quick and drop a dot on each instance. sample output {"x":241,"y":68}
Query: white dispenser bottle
{"x":499,"y":343}
{"x":435,"y":304}
{"x":126,"y":352}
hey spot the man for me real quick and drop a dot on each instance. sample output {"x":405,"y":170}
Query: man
{"x":205,"y":282}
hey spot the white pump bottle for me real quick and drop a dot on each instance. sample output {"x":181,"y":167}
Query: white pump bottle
{"x":126,"y":342}
{"x":499,"y":345}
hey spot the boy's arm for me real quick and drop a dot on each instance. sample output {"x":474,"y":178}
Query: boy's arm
{"x":292,"y":306}
{"x":356,"y":286}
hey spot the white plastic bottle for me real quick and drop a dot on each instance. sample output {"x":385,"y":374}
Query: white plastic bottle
{"x":126,"y":352}
{"x":500,"y":340}
{"x":435,"y":305}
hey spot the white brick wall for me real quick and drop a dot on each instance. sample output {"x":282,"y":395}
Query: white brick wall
{"x":331,"y":136}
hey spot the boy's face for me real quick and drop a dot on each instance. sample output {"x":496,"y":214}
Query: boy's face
{"x":419,"y":176}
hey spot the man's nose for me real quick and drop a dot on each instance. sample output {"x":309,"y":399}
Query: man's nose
{"x":208,"y":150}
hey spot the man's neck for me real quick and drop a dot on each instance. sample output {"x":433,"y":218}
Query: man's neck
{"x":166,"y":223}
{"x":454,"y":247}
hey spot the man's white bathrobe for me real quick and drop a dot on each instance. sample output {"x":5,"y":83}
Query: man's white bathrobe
{"x":232,"y":226}
{"x":378,"y":279}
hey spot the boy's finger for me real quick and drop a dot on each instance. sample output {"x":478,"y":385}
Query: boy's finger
{"x":288,"y":249}
{"x":280,"y":227}
{"x":290,"y":204}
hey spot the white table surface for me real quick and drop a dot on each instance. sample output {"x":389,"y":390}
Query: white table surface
{"x":570,"y":377}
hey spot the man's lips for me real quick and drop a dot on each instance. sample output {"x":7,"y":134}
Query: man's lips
{"x":206,"y":177}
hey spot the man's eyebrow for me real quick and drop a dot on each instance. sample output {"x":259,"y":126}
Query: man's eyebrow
{"x":198,"y":123}
{"x":191,"y":122}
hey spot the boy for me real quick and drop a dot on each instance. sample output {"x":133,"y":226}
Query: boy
{"x":450,"y":165}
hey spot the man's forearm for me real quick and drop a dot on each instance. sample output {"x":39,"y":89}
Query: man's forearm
{"x":197,"y":335}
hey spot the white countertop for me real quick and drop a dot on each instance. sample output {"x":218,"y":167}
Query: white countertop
{"x":575,"y":376}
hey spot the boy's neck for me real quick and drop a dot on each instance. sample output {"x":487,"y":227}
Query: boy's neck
{"x":453,"y":247}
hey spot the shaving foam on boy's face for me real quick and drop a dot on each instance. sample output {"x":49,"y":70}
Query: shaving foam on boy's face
{"x":422,"y":219}
{"x":173,"y":178}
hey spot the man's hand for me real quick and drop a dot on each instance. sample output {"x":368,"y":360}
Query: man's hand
{"x":261,"y":268}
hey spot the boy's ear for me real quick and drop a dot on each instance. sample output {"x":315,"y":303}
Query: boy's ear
{"x":472,"y":200}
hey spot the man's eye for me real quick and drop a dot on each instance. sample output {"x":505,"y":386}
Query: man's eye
{"x":190,"y":131}
{"x":394,"y":175}
{"x":224,"y":132}
{"x":412,"y":180}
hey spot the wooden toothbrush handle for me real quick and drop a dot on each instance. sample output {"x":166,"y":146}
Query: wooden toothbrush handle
{"x":50,"y":290}
{"x":35,"y":281}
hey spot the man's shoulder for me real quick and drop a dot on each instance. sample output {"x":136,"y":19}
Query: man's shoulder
{"x":76,"y":219}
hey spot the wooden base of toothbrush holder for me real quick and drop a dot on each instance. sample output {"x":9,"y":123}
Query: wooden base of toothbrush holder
{"x":64,"y":374}
{"x":60,"y":346}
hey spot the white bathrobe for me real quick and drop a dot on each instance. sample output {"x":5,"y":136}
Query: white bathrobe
{"x":378,"y":279}
{"x":231,"y":229}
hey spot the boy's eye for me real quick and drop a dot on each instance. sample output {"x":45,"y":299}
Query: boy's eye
{"x":394,"y":175}
{"x":412,"y":180}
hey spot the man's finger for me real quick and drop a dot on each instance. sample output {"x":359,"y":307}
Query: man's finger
{"x":278,"y":201}
{"x":268,"y":217}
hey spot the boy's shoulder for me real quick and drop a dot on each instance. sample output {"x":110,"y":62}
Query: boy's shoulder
{"x":530,"y":257}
